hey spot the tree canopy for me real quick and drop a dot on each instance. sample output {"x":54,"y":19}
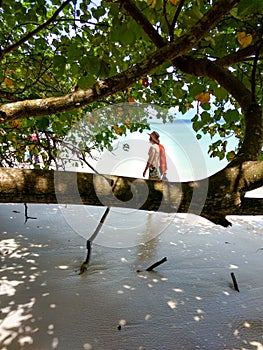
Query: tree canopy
{"x":61,"y":61}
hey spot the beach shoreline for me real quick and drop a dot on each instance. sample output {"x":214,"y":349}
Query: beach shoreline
{"x":188,"y":302}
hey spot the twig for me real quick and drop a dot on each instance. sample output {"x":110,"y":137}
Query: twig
{"x":29,"y":35}
{"x":150,"y":268}
{"x":26,"y":215}
{"x":234,"y":282}
{"x":177,"y":13}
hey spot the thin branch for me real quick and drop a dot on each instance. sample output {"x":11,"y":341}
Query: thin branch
{"x":143,"y":22}
{"x":240,"y":55}
{"x":165,"y":15}
{"x":176,"y":15}
{"x":34,"y":32}
{"x":109,"y":86}
{"x":232,"y":84}
{"x":27,"y":217}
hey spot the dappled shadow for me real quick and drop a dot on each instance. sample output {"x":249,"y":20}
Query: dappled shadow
{"x":188,"y":302}
{"x":19,"y":274}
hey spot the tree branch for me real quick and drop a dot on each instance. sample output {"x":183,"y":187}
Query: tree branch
{"x":253,"y":175}
{"x":239,"y":55}
{"x":250,"y":206}
{"x":216,"y":71}
{"x":99,"y":91}
{"x":175,"y":18}
{"x":200,"y":67}
{"x":222,"y":198}
{"x":143,"y":22}
{"x":250,"y":149}
{"x":34,"y":32}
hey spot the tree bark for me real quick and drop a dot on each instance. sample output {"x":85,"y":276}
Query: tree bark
{"x":217,"y":71}
{"x":213,"y":198}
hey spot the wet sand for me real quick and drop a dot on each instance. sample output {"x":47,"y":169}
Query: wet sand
{"x":188,"y":302}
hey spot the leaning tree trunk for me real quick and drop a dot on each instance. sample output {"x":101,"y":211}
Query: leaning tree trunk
{"x":214,"y":198}
{"x":227,"y":190}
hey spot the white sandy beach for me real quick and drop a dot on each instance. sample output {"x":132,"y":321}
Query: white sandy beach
{"x":187,"y":302}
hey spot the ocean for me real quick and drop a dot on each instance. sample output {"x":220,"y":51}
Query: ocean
{"x":187,"y":157}
{"x":187,"y":160}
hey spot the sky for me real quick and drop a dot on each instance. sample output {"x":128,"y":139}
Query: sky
{"x":187,"y":157}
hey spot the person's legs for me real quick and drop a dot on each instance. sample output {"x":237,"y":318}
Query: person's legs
{"x":154,"y":174}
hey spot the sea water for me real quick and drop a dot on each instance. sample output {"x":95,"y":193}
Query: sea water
{"x":187,"y":159}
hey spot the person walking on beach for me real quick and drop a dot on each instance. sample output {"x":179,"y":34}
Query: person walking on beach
{"x":156,"y":162}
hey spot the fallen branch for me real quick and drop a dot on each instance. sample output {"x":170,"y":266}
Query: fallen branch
{"x":234,"y":282}
{"x":150,"y":268}
{"x":26,"y":214}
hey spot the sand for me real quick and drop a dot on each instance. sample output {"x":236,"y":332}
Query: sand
{"x":188,"y":302}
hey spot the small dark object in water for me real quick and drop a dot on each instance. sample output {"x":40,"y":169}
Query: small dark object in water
{"x":119,"y":327}
{"x":234,"y":282}
{"x":150,"y":268}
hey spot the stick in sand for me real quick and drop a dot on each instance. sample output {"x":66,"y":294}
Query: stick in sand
{"x":150,"y":268}
{"x":84,"y":265}
{"x":234,"y":282}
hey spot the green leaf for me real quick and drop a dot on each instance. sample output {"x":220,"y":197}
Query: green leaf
{"x":75,"y":51}
{"x":206,"y":117}
{"x":231,"y":116}
{"x":123,"y":34}
{"x":59,"y":62}
{"x":222,"y":41}
{"x":90,"y":64}
{"x":178,"y":89}
{"x":248,"y":7}
{"x":85,"y":82}
{"x":115,"y":31}
{"x":206,"y":106}
{"x":104,"y":70}
{"x":98,"y":12}
{"x":220,"y":93}
{"x":195,"y":89}
{"x":128,"y":37}
{"x":42,"y":123}
{"x":195,"y":118}
{"x":197,"y":125}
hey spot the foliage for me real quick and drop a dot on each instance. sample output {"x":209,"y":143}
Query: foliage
{"x":86,"y":42}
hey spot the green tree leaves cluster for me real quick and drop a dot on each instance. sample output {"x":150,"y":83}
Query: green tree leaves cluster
{"x":53,"y":48}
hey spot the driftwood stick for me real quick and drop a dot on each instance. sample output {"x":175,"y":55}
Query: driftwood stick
{"x":26,"y":214}
{"x":234,"y":282}
{"x":150,"y":268}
